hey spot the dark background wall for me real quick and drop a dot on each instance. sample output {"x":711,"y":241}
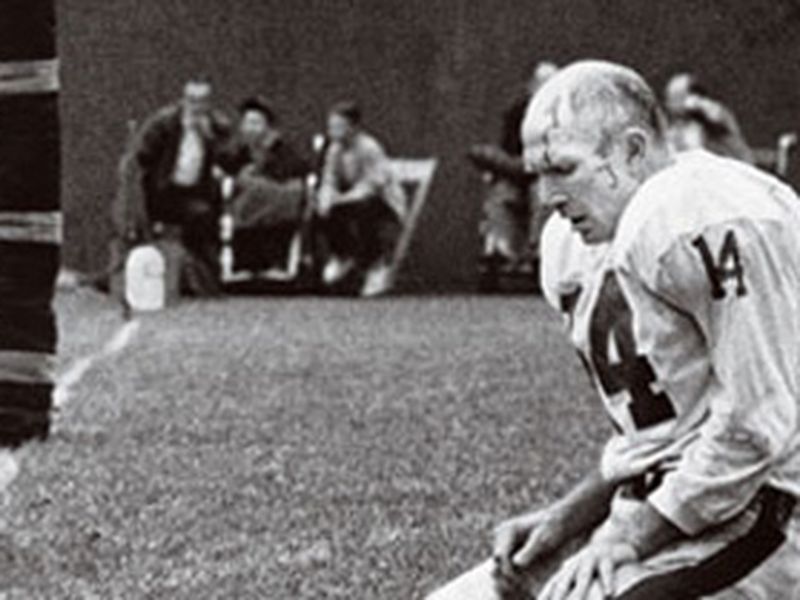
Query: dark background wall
{"x":433,"y":77}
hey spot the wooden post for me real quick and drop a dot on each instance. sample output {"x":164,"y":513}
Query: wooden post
{"x":30,"y":220}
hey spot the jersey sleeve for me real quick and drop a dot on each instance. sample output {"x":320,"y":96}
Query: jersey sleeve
{"x":734,"y":281}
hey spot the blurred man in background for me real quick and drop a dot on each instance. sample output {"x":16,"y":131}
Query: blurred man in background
{"x":268,"y":192}
{"x":360,"y":203}
{"x":259,"y":145}
{"x":176,"y":151}
{"x":512,"y":218}
{"x":698,"y":121}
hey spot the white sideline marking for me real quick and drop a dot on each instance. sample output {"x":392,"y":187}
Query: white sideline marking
{"x":72,"y":376}
{"x":475,"y":584}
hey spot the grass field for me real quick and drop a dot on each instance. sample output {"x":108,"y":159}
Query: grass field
{"x":295,"y":448}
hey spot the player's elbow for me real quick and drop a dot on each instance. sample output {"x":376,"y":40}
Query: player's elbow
{"x":767,"y":435}
{"x":784,"y":427}
{"x":755,"y":440}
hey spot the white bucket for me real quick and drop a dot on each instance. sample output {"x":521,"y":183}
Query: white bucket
{"x":146,"y":279}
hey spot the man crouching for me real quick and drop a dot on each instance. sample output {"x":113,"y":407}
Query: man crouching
{"x":677,"y":276}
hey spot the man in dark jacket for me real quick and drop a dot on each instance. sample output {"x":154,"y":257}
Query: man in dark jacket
{"x":267,"y":199}
{"x":512,"y":217}
{"x":176,"y":151}
{"x":260,"y":146}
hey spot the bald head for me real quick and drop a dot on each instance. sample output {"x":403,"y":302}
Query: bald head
{"x":593,"y":134}
{"x":599,"y":98}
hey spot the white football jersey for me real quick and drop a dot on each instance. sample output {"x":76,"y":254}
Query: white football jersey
{"x":690,"y":323}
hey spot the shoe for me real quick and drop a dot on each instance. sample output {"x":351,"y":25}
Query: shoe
{"x":336,"y":269}
{"x":377,"y":282}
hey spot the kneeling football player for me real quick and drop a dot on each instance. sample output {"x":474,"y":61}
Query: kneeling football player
{"x":678,"y":277}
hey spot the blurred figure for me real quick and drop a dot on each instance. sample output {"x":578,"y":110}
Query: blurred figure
{"x":512,"y":216}
{"x":267,"y":200}
{"x":176,"y":151}
{"x":698,"y":121}
{"x":361,"y":204}
{"x":514,"y":115}
{"x":259,"y":145}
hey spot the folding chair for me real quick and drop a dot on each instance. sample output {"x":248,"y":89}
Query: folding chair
{"x":416,"y":177}
{"x":282,"y":274}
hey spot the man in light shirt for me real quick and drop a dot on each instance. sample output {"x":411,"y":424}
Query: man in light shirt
{"x":361,"y":204}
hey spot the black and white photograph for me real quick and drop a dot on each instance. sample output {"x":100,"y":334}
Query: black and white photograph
{"x":399,"y":300}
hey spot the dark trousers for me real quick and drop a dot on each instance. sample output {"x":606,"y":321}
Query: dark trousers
{"x":364,"y":231}
{"x":196,"y":212}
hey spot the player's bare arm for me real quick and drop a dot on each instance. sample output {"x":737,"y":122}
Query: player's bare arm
{"x":645,"y":530}
{"x":522,"y":540}
{"x":636,"y":538}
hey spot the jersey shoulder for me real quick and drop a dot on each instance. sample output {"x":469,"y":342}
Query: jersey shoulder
{"x":700,"y":192}
{"x":368,"y":146}
{"x":566,"y":262}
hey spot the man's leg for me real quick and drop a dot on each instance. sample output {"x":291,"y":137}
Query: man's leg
{"x":200,"y":237}
{"x":755,"y":556}
{"x":380,"y":229}
{"x":480,"y":582}
{"x":756,"y":549}
{"x":339,"y":230}
{"x":340,"y":234}
{"x":776,"y":577}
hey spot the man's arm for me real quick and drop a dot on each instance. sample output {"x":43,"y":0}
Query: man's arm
{"x":232,"y":157}
{"x":524,"y":539}
{"x":290,"y":163}
{"x":149,"y":142}
{"x":644,"y":529}
{"x":586,"y":505}
{"x":727,"y":280}
{"x":328,"y":193}
{"x":721,"y":121}
{"x":374,"y":175}
{"x":617,"y":542}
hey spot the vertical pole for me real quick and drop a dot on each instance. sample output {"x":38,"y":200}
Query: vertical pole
{"x":30,"y":220}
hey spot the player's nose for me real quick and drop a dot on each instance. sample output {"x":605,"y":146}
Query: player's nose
{"x":550,"y":195}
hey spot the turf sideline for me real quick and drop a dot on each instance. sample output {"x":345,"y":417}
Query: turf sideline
{"x":475,"y":584}
{"x":75,"y":372}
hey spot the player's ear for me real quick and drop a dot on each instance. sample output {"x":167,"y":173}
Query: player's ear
{"x":636,"y":142}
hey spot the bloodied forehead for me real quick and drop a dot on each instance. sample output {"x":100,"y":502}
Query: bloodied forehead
{"x":557,"y":128}
{"x":586,"y":100}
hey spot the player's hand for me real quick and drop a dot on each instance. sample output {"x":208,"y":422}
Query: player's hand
{"x":595,"y":563}
{"x":518,"y":542}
